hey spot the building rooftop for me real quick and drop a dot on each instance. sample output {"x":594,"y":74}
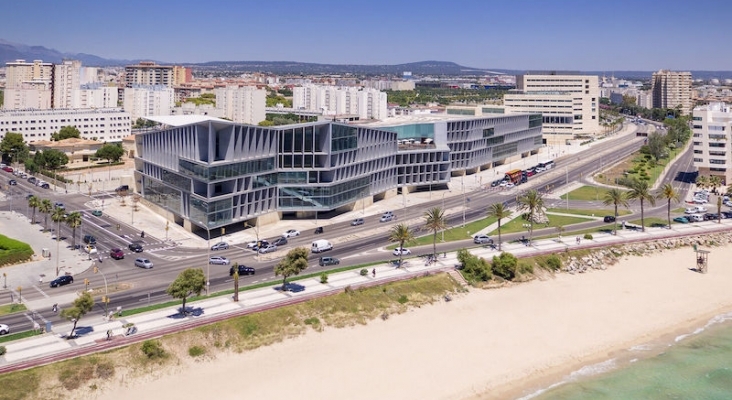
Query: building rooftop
{"x":415,"y":119}
{"x":182,"y":120}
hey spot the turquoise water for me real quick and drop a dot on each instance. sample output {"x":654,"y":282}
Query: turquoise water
{"x":698,"y":367}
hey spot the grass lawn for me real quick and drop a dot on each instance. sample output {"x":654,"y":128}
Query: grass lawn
{"x":597,"y":213}
{"x":452,"y":234}
{"x":586,"y":193}
{"x":12,"y":308}
{"x":16,"y":336}
{"x":650,"y":222}
{"x":517,"y":225}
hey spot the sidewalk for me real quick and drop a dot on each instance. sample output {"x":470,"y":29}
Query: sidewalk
{"x":93,"y":330}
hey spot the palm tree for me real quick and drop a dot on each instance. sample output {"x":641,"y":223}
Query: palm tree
{"x":73,"y":220}
{"x":34,"y":202}
{"x":532,"y":202}
{"x":616,"y":197}
{"x":436,"y":222}
{"x":669,"y":193}
{"x":402,"y":234}
{"x":714,"y":182}
{"x":640,"y":191}
{"x":499,"y":211}
{"x":719,"y":209}
{"x":702,"y":181}
{"x":45,"y":207}
{"x":58,"y":215}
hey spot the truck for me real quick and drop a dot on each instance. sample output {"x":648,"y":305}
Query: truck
{"x":321,"y":245}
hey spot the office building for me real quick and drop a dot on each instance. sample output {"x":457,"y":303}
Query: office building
{"x":671,"y":90}
{"x":711,"y":135}
{"x":106,"y":125}
{"x":242,"y":104}
{"x":568,"y":103}
{"x":204,"y":173}
{"x":144,"y":101}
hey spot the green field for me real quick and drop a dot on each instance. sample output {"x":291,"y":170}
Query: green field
{"x":586,"y":193}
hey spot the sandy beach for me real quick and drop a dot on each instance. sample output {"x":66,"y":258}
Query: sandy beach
{"x":487,"y":344}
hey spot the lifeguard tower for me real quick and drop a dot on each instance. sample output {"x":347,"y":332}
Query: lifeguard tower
{"x":702,"y":260}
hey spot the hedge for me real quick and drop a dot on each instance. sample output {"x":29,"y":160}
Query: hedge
{"x":13,"y":251}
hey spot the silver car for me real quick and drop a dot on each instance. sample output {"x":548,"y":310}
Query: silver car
{"x":143,"y":263}
{"x":268,"y":249}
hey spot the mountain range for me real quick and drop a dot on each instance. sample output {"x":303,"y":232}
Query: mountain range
{"x":14,"y":51}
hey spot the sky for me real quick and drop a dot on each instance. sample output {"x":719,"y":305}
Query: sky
{"x":576,"y":35}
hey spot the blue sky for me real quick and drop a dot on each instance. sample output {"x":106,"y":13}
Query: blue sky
{"x":512,"y":34}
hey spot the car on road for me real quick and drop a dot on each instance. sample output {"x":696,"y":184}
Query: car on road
{"x":280,"y":241}
{"x":61,"y":280}
{"x":291,"y":233}
{"x":143,"y":263}
{"x":255,"y":245}
{"x":12,"y":182}
{"x":97,"y":213}
{"x":4,"y":329}
{"x":60,"y":205}
{"x":220,"y":246}
{"x":696,"y":218}
{"x":386,"y":218}
{"x":8,"y":169}
{"x":267,"y":249}
{"x":117,"y":254}
{"x":45,"y":186}
{"x":509,"y":185}
{"x":401,"y":251}
{"x":136,"y":247}
{"x":482,"y":239}
{"x":681,"y":220}
{"x":216,"y":260}
{"x":243,"y":270}
{"x":323,"y":261}
{"x":694,"y":210}
{"x":32,"y":180}
{"x":711,"y":216}
{"x":89,"y":239}
{"x":357,"y":221}
{"x":608,"y":218}
{"x":91,"y":249}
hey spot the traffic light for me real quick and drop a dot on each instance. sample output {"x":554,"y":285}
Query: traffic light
{"x":86,"y":283}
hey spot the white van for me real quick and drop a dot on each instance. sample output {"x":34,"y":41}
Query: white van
{"x":696,"y":218}
{"x":320,"y":246}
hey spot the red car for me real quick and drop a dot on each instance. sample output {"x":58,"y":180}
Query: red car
{"x":117,"y":254}
{"x":8,"y":169}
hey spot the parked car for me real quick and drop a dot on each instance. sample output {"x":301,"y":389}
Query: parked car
{"x":357,"y":221}
{"x":710,"y":216}
{"x":681,"y":220}
{"x":32,"y":180}
{"x":291,"y":287}
{"x":496,"y":183}
{"x":89,"y":239}
{"x":267,"y":249}
{"x":12,"y":182}
{"x":280,"y":241}
{"x":136,"y":247}
{"x":143,"y":263}
{"x":696,"y":218}
{"x":97,"y":213}
{"x":45,"y":185}
{"x":216,"y":260}
{"x":8,"y":169}
{"x":243,"y":270}
{"x":401,"y":251}
{"x":291,"y":233}
{"x":117,"y":254}
{"x":482,"y":239}
{"x":4,"y":329}
{"x":608,"y":218}
{"x":323,"y":261}
{"x":220,"y":246}
{"x":62,"y":280}
{"x":509,"y":185}
{"x":700,"y":200}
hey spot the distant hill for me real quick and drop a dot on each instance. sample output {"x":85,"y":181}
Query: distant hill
{"x":14,"y":51}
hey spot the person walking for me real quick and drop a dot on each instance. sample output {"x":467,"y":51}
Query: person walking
{"x":373,"y":272}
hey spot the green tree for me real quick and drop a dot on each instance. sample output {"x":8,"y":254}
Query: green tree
{"x":504,"y":265}
{"x":295,"y":261}
{"x":110,"y":152}
{"x":473,"y":267}
{"x":657,"y":145}
{"x":640,"y":191}
{"x":616,"y":198}
{"x":668,"y":193}
{"x":266,"y":123}
{"x":189,"y":281}
{"x":58,"y":215}
{"x":532,"y":202}
{"x":702,"y":182}
{"x":66,"y":132}
{"x":13,"y":147}
{"x":34,"y":202}
{"x":715,"y":181}
{"x":45,"y":207}
{"x":236,"y":281}
{"x":54,"y":159}
{"x":80,"y":307}
{"x":499,"y":211}
{"x":73,"y":221}
{"x":435,"y":222}
{"x":402,"y":234}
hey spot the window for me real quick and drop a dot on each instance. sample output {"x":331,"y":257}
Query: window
{"x":712,"y":161}
{"x":699,"y":160}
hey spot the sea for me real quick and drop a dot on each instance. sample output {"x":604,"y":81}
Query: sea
{"x":697,"y":366}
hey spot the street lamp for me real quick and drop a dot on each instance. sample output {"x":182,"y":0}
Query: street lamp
{"x":105,"y":300}
{"x":463,"y":185}
{"x":443,"y":212}
{"x":208,"y":252}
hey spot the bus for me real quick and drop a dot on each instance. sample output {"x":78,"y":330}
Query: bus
{"x":514,"y":176}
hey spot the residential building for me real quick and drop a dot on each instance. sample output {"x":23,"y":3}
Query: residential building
{"x":107,"y":125}
{"x":95,"y":96}
{"x":568,"y":102}
{"x":331,"y":100}
{"x":204,"y":173}
{"x":66,"y":77}
{"x":672,"y":89}
{"x":243,"y":104}
{"x":28,"y":85}
{"x":148,"y":73}
{"x":711,"y":137}
{"x":145,"y":101}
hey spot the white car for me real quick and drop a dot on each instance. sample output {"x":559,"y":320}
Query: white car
{"x":291,"y":233}
{"x":509,"y":185}
{"x":4,"y":329}
{"x":700,"y":200}
{"x":401,"y":251}
{"x":91,"y":249}
{"x":252,"y":244}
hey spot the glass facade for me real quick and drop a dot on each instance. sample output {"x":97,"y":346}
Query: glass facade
{"x":226,"y":171}
{"x":162,"y":195}
{"x":344,"y":138}
{"x":325,"y":198}
{"x":412,"y":131}
{"x":210,"y":214}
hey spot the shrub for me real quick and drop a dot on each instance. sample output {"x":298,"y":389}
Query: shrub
{"x":553,"y":262}
{"x":364,"y":272}
{"x":588,"y":236}
{"x":474,"y":268}
{"x":195,"y":351}
{"x":312,"y":321}
{"x":526,"y":268}
{"x":505,"y":265}
{"x":402,"y":299}
{"x":324,"y":278}
{"x":3,"y":350}
{"x":153,"y":349}
{"x":13,"y":251}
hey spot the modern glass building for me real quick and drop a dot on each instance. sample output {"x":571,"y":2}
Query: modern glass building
{"x":211,"y":173}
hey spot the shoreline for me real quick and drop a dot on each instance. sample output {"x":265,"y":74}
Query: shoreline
{"x":496,"y":343}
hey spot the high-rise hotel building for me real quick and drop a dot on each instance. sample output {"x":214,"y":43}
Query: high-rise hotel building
{"x":672,"y":89}
{"x":712,"y":138}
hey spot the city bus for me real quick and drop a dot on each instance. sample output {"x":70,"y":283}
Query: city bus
{"x":514,"y":176}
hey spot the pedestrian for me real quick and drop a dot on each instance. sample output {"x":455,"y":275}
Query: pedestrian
{"x":109,"y":334}
{"x":373,"y":272}
{"x":55,"y":308}
{"x":40,"y":279}
{"x":142,"y":234}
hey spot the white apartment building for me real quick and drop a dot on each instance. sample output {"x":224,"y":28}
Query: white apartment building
{"x":66,"y":77}
{"x":37,"y":97}
{"x":28,"y":85}
{"x":569,"y":103}
{"x":672,"y":89}
{"x":243,"y":104}
{"x":712,"y":138}
{"x":384,"y":84}
{"x":144,"y":101}
{"x":95,"y":96}
{"x":107,"y":125}
{"x":148,"y":73}
{"x":331,"y":100}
